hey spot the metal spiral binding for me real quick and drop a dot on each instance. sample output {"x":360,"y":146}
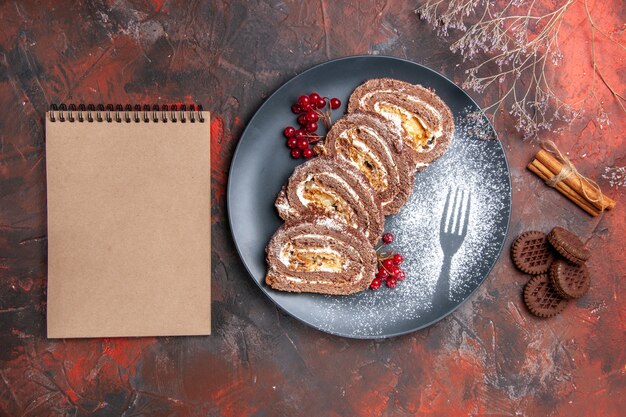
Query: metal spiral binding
{"x":128,"y":113}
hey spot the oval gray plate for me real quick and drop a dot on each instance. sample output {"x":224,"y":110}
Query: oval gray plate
{"x":476,"y":167}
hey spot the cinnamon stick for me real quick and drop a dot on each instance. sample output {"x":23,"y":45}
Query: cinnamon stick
{"x":544,"y":173}
{"x":581,"y":187}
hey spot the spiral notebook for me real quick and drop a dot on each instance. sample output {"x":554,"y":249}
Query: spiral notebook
{"x":129,"y":221}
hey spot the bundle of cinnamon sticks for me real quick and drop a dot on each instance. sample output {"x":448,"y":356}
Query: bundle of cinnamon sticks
{"x":582,"y":191}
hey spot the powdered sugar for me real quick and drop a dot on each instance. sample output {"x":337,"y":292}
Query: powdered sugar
{"x":476,"y":166}
{"x":474,"y":124}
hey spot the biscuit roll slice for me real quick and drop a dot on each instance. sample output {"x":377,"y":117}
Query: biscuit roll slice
{"x":318,"y":254}
{"x":426,"y":122}
{"x":332,"y":188}
{"x":368,"y":142}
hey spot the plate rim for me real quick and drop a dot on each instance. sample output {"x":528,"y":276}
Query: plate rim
{"x":266,"y":290}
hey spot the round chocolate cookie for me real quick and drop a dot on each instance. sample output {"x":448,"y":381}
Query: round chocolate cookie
{"x":569,"y":280}
{"x":531,"y":253}
{"x":541,"y":299}
{"x":569,"y":245}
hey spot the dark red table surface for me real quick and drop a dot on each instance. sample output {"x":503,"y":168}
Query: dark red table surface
{"x":491,"y":357}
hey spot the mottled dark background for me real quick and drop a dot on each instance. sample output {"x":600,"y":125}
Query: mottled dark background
{"x":489,"y":358}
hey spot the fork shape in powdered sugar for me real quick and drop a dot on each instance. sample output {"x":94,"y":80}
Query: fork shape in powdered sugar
{"x":452,"y":232}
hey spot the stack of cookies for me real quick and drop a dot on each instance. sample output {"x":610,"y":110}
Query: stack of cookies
{"x":557,"y":263}
{"x":334,"y":205}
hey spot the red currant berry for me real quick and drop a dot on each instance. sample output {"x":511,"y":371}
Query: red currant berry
{"x":388,"y":264}
{"x":289,"y":132}
{"x":299,"y":134}
{"x":311,"y":127}
{"x":388,"y":238}
{"x":335,"y":103}
{"x":382,"y":274}
{"x":295,"y":153}
{"x":303,"y":143}
{"x":296,"y":109}
{"x":292,"y":143}
{"x":391,"y":282}
{"x":400,"y":276}
{"x":375,"y":284}
{"x":302,"y":121}
{"x":312,"y":116}
{"x":307,"y":153}
{"x":303,"y":100}
{"x":305,"y":107}
{"x":314,"y":97}
{"x":321,"y":103}
{"x":395,"y":270}
{"x":398,"y":259}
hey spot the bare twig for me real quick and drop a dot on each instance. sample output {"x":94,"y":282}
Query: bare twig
{"x":522,"y":41}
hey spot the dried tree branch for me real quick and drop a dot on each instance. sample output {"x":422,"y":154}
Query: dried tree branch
{"x":522,"y":41}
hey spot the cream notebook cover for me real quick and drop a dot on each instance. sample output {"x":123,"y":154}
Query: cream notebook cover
{"x":129,"y":223}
